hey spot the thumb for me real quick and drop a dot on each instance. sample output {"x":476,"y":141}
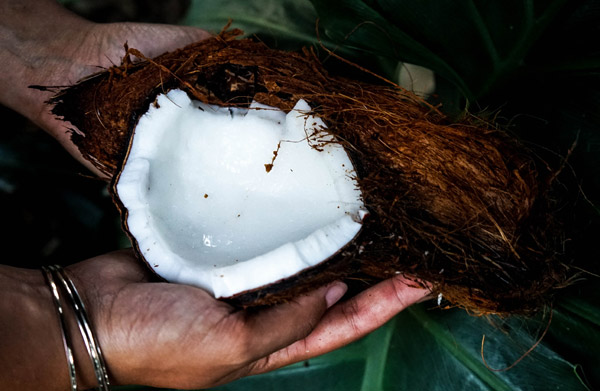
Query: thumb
{"x":279,"y":326}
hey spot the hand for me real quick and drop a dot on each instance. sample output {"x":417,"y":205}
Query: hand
{"x":99,"y":46}
{"x":44,"y":44}
{"x":169,"y":335}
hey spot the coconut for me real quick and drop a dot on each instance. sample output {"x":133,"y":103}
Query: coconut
{"x":462,"y":206}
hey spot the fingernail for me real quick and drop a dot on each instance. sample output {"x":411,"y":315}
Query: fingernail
{"x":335,"y":292}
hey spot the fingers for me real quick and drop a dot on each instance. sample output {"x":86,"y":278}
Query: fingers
{"x":349,"y":321}
{"x":276,"y":327}
{"x":155,"y":39}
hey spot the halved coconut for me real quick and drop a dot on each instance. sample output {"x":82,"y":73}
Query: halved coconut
{"x":459,"y":205}
{"x":233,"y":199}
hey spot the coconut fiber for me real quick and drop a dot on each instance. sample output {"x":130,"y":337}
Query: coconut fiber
{"x":462,"y":206}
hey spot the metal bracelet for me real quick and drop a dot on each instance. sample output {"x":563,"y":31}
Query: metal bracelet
{"x":62,"y":323}
{"x":83,"y":322}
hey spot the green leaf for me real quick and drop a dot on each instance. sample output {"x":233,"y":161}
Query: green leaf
{"x":452,"y":340}
{"x":284,"y":24}
{"x":575,"y":330}
{"x":359,"y":26}
{"x":473,"y":44}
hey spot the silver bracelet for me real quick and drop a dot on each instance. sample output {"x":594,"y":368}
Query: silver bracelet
{"x":83,"y":322}
{"x":62,"y":323}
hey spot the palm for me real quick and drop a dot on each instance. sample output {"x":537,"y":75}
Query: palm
{"x":162,"y":329}
{"x":164,"y":334}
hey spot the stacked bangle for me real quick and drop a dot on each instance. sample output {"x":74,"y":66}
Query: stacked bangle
{"x":56,"y":273}
{"x":61,"y":316}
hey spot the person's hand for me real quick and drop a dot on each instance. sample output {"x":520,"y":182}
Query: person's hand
{"x":171,"y":335}
{"x":99,"y":47}
{"x":44,"y":44}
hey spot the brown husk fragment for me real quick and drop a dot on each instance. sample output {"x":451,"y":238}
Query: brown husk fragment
{"x":461,"y":206}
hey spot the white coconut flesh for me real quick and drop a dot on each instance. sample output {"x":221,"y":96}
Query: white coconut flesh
{"x":232,"y":199}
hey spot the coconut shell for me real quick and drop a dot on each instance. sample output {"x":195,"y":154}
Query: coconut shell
{"x":462,"y":206}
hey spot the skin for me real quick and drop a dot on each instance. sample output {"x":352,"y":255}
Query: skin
{"x":151,"y":333}
{"x":38,"y":50}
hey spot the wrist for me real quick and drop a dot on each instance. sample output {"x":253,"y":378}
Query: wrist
{"x":32,"y":353}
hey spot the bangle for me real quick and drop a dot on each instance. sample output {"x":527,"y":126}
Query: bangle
{"x":62,"y":323}
{"x":83,"y":322}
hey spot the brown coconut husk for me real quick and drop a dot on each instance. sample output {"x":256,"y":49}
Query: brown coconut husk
{"x":461,"y":206}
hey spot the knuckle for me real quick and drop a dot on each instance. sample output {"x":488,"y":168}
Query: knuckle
{"x":401,"y":288}
{"x":351,"y":314}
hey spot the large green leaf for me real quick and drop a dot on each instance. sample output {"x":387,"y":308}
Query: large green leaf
{"x":429,"y":349}
{"x":575,"y":330}
{"x":453,"y":342}
{"x":282,"y":24}
{"x":473,"y":44}
{"x":285,"y":23}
